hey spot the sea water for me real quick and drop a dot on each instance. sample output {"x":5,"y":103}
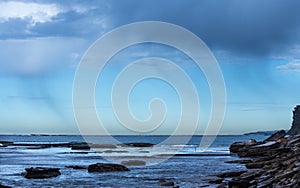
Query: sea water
{"x":185,"y":170}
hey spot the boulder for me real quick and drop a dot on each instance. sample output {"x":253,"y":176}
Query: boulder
{"x":41,"y":173}
{"x":106,"y":167}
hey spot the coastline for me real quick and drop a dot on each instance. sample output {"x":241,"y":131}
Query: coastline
{"x":273,"y":162}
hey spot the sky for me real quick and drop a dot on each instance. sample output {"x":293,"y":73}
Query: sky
{"x":256,"y":43}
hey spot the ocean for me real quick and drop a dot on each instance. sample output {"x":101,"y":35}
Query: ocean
{"x":193,"y":168}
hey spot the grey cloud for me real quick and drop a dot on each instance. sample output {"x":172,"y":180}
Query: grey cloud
{"x":248,"y":27}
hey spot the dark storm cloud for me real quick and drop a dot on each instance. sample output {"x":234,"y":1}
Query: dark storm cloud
{"x":252,"y":27}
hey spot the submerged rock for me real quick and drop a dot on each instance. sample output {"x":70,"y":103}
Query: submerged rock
{"x":139,"y":144}
{"x":106,"y":167}
{"x":166,"y":183}
{"x":41,"y":172}
{"x":134,"y":163}
{"x":76,"y":167}
{"x":110,"y":146}
{"x":80,"y":147}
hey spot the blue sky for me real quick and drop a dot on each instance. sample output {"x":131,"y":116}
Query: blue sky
{"x":257,"y":45}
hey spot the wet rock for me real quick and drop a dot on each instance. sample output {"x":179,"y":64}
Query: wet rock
{"x":231,"y":174}
{"x":139,"y":144}
{"x":215,"y":180}
{"x":166,"y":183}
{"x":4,"y":186}
{"x":258,"y":150}
{"x":80,"y":147}
{"x":276,"y":136}
{"x":170,"y":183}
{"x":78,"y":152}
{"x":238,"y":183}
{"x":133,"y":163}
{"x":106,"y":167}
{"x":238,"y":146}
{"x":255,"y":165}
{"x":41,"y":173}
{"x":284,"y":140}
{"x":221,"y":185}
{"x":242,"y":161}
{"x":5,"y":143}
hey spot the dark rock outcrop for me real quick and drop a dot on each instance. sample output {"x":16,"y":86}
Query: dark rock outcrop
{"x":231,"y":174}
{"x":80,"y":147}
{"x":41,"y":173}
{"x":276,"y":136}
{"x":237,"y":146}
{"x":238,"y":183}
{"x":5,"y":143}
{"x":106,"y":167}
{"x":274,"y":163}
{"x":295,"y":129}
{"x":4,"y":186}
{"x":265,"y":148}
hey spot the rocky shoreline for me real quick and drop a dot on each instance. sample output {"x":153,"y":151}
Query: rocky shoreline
{"x":274,"y":162}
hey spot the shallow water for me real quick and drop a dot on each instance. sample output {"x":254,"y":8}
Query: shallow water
{"x":185,"y":171}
